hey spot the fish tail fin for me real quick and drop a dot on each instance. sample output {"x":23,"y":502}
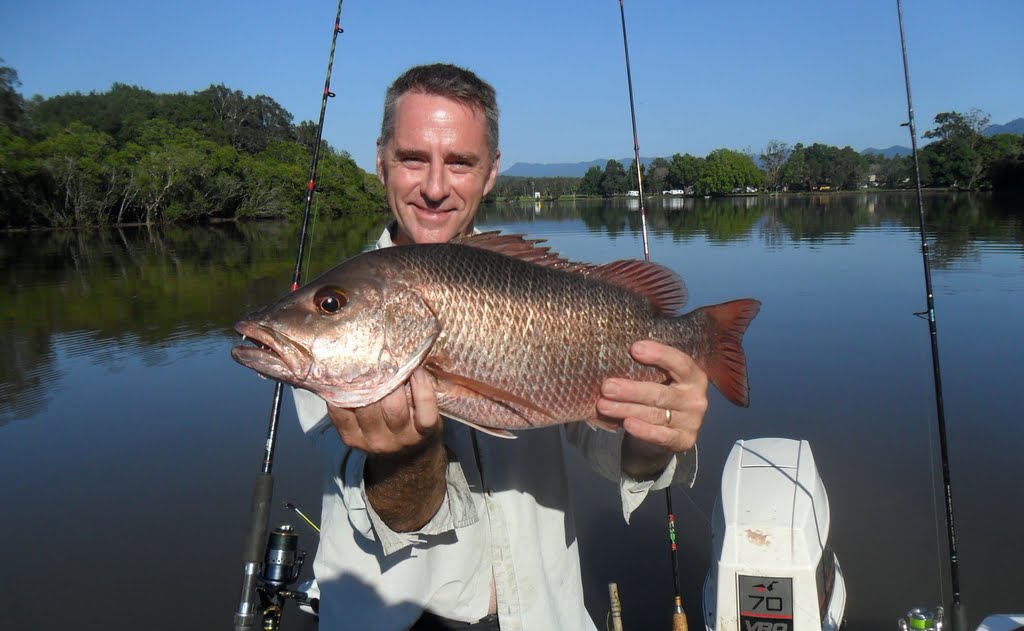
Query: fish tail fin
{"x":725,"y":364}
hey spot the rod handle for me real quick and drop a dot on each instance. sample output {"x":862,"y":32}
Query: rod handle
{"x":262,"y":492}
{"x":256,"y":539}
{"x":679,"y":622}
{"x":616,"y":606}
{"x":959,"y":617}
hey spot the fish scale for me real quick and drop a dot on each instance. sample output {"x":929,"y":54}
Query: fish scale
{"x":510,"y":327}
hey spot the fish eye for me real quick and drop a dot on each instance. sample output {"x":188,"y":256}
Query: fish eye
{"x":330,"y":300}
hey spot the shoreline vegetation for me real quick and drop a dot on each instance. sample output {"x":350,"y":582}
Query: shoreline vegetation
{"x":129,"y":156}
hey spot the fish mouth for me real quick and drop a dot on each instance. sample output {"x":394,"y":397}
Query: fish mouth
{"x":271,"y":353}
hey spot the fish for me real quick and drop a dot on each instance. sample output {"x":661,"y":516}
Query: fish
{"x":515,"y":335}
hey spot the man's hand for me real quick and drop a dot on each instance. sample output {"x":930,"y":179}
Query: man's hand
{"x":399,"y":421}
{"x":406,"y":460}
{"x":663,"y":418}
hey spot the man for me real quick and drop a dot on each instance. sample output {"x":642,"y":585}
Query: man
{"x":429,"y":518}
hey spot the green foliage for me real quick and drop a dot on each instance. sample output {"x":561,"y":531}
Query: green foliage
{"x":773,"y":159}
{"x":614,"y":180}
{"x":961,"y":157}
{"x":131,"y":155}
{"x":591,"y":182}
{"x":824,"y":167}
{"x":658,"y":175}
{"x":12,"y":105}
{"x":684,"y":171}
{"x":727,"y":171}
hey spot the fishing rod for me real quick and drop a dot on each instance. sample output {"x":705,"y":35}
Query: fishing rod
{"x":678,"y":615}
{"x":959,"y":617}
{"x":263,"y":486}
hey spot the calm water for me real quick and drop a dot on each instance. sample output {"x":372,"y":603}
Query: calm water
{"x":129,"y":438}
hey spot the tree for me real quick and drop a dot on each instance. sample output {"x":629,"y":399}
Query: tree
{"x":614,"y":180}
{"x":1001,"y":157}
{"x":953,"y":159}
{"x":957,"y":126}
{"x":18,"y":179}
{"x":773,"y":159}
{"x":896,"y":172}
{"x":12,"y":105}
{"x":658,"y":175}
{"x":590,"y":184}
{"x":726,"y":171}
{"x":848,"y":168}
{"x":796,"y":175}
{"x":685,"y":170}
{"x":71,"y":163}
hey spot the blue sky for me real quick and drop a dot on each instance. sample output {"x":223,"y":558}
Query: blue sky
{"x":705,"y":74}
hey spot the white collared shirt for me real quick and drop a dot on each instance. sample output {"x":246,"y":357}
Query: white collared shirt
{"x":507,"y":512}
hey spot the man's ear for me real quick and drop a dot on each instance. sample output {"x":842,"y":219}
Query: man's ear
{"x":380,"y":163}
{"x":493,"y":175}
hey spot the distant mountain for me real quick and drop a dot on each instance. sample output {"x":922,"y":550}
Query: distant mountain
{"x":1016,"y":126}
{"x":564,"y":169}
{"x":895,"y":150}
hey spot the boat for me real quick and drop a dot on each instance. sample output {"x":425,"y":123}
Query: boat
{"x":773,"y":565}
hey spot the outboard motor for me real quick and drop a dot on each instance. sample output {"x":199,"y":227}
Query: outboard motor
{"x":773,"y":568}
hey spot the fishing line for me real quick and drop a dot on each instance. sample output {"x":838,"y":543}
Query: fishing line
{"x":959,"y":617}
{"x":679,"y":616}
{"x":263,"y":487}
{"x":295,"y":509}
{"x":312,"y":232}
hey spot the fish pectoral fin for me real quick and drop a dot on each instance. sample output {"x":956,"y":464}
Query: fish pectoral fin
{"x":493,"y":431}
{"x":608,"y":426}
{"x":487,"y":390}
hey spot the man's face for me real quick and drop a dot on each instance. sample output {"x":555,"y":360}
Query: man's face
{"x":436,"y":167}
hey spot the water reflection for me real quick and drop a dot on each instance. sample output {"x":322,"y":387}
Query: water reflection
{"x":142,"y":289}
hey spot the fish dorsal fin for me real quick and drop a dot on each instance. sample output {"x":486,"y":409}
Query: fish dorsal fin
{"x":662,"y":288}
{"x":659,"y":285}
{"x":519,"y":247}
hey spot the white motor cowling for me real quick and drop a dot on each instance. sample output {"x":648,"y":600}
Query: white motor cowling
{"x":773,"y":568}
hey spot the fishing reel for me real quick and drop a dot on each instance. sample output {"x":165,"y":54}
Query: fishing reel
{"x":921,"y":619}
{"x":282,"y":563}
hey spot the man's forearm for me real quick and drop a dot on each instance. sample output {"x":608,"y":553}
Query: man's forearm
{"x":406,"y":489}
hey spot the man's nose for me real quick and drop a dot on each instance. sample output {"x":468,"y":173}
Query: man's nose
{"x":437,"y":187}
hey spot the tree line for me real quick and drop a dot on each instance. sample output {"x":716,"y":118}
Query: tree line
{"x":959,"y":157}
{"x":129,"y":155}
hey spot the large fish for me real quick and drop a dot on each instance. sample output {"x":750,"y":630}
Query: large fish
{"x":516,"y":336}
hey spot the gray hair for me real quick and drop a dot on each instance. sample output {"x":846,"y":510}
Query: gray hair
{"x":446,"y":80}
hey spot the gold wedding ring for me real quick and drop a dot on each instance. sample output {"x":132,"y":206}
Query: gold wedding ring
{"x":668,"y":416}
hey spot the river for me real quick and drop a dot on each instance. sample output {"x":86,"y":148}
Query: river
{"x":129,"y":439}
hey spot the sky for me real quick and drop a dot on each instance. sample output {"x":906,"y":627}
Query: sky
{"x":706,"y":75}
